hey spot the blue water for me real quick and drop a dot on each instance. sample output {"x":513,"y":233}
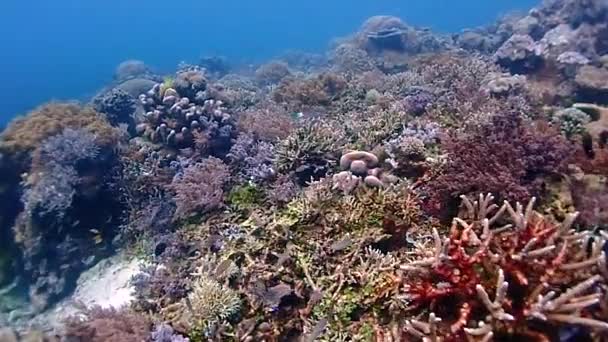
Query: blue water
{"x":61,"y":49}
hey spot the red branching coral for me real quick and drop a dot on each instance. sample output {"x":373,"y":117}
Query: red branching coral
{"x":507,"y":156}
{"x":534,"y":269}
{"x":200,"y":187}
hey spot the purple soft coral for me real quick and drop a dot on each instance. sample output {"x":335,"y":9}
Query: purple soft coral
{"x":506,"y":156}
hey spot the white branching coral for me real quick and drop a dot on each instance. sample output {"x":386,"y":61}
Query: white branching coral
{"x":566,"y":307}
{"x":495,"y":307}
{"x":210,"y":302}
{"x":426,"y":331}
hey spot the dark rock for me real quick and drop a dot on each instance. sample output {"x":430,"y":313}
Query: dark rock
{"x":118,"y":106}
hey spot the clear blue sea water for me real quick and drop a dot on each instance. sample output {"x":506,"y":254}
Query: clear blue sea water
{"x":62,"y":49}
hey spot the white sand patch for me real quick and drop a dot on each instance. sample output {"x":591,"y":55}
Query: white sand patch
{"x":107,"y":284}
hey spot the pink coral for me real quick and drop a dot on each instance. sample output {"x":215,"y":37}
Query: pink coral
{"x":507,"y":156}
{"x":199,"y":188}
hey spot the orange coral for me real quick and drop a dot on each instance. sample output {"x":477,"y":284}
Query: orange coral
{"x":24,"y":134}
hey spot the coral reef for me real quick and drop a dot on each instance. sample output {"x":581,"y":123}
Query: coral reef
{"x":319,"y":90}
{"x":386,"y":33}
{"x":59,"y":151}
{"x":406,"y":187}
{"x":310,"y":151}
{"x":272,"y":73}
{"x":253,"y":158}
{"x":559,"y":44}
{"x":361,"y":167}
{"x":479,"y":266}
{"x":268,"y":123}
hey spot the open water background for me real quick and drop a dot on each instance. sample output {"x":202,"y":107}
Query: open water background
{"x":68,"y":49}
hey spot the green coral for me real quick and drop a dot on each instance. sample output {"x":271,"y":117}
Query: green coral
{"x":339,"y":311}
{"x":312,"y":144}
{"x":571,"y":121}
{"x":168,"y":82}
{"x":245,"y":196}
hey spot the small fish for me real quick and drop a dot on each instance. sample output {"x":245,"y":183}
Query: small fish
{"x":342,"y":244}
{"x":96,"y":236}
{"x":223,"y":268}
{"x":189,"y":304}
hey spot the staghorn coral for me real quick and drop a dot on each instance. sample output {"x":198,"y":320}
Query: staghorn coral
{"x":310,"y":151}
{"x":200,"y":187}
{"x":543,"y":263}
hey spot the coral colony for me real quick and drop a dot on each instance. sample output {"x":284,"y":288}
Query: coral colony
{"x":406,"y":186}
